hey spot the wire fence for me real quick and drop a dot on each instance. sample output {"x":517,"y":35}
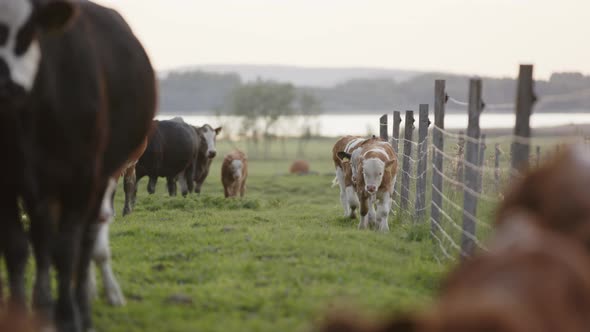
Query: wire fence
{"x":453,"y":182}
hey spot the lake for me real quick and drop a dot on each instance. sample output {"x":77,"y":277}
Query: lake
{"x":362,"y":124}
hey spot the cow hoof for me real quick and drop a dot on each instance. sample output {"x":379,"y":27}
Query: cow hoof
{"x":116,"y":300}
{"x":126,"y":211}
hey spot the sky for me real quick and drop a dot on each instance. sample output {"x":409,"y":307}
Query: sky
{"x":477,"y":37}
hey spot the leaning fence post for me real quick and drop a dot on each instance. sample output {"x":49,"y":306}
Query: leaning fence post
{"x":525,"y":98}
{"x":406,"y":168}
{"x":460,"y":157}
{"x":471,"y":178}
{"x":397,"y":119}
{"x":383,"y":127}
{"x":437,"y":157}
{"x":481,"y":161}
{"x":423,"y":124}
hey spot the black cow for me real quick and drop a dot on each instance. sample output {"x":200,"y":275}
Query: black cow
{"x":77,"y":95}
{"x":170,"y":153}
{"x":206,"y":151}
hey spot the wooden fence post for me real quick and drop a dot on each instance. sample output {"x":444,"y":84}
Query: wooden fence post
{"x":525,"y":98}
{"x":481,"y":161}
{"x":423,"y":124}
{"x":437,"y":158}
{"x":397,"y":119}
{"x":383,"y":127}
{"x":471,"y":178}
{"x":460,"y":157}
{"x":406,"y":167}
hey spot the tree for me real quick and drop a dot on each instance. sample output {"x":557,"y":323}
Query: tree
{"x":264,"y":101}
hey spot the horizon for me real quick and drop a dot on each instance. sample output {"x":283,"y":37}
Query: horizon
{"x":484,"y":38}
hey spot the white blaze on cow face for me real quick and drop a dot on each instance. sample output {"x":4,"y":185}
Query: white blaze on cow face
{"x":210,"y":136}
{"x":236,"y":168}
{"x":373,"y":169}
{"x":22,"y":67}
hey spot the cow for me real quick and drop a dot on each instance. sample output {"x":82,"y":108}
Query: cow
{"x":206,"y":151}
{"x":234,"y":172}
{"x":79,"y":92}
{"x":373,"y":170}
{"x":299,"y":167}
{"x":345,"y":146}
{"x":533,"y":279}
{"x":557,"y":193}
{"x":170,"y":153}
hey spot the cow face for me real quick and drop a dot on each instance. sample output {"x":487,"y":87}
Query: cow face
{"x":210,"y":136}
{"x":373,"y":169}
{"x":21,"y":23}
{"x":236,"y":169}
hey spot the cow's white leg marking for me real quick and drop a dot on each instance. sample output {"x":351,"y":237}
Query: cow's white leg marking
{"x":343,"y":199}
{"x":183,"y":183}
{"x":372,"y":215}
{"x":383,"y":212}
{"x":353,"y":200}
{"x":102,"y":258}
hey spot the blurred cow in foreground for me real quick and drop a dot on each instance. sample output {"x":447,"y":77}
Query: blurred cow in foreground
{"x":234,"y":172}
{"x":77,"y":96}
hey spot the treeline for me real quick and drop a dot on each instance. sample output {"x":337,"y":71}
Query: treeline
{"x":201,"y":92}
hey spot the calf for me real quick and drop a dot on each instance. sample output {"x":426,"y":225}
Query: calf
{"x":79,"y":91}
{"x":557,"y":193}
{"x":533,"y":280}
{"x":341,"y":152}
{"x":234,"y":172}
{"x":206,"y":151}
{"x":374,"y":169}
{"x":170,"y":153}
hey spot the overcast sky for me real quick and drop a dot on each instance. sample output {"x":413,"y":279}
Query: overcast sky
{"x":483,"y":37}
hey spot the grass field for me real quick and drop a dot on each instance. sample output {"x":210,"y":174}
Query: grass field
{"x":273,"y":261}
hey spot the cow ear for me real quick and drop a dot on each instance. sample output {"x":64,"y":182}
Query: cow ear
{"x":218,"y":130}
{"x":343,"y":155}
{"x":389,"y":163}
{"x":56,"y":15}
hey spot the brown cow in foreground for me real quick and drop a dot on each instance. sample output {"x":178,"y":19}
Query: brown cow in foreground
{"x":234,"y":172}
{"x":534,"y":281}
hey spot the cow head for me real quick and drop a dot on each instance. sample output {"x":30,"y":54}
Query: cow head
{"x":209,"y":135}
{"x":236,"y":168}
{"x":373,"y":170}
{"x":21,"y":24}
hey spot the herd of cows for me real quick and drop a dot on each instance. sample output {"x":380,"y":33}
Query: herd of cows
{"x":77,"y":101}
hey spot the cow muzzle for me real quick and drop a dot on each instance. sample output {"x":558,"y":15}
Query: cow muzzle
{"x":371,"y":189}
{"x":211,"y":154}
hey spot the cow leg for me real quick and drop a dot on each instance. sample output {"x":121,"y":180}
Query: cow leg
{"x":188,"y":176}
{"x":151,"y":187}
{"x":353,"y":201}
{"x":372,"y":216}
{"x":102,"y":257}
{"x":130,"y":188}
{"x":383,"y":212}
{"x":183,"y":185}
{"x":171,"y":183}
{"x":363,"y":223}
{"x":343,"y":194}
{"x":87,"y":243}
{"x":67,"y":245}
{"x":16,"y":251}
{"x":243,"y":189}
{"x":41,"y":236}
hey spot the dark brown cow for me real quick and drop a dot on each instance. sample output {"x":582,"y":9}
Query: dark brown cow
{"x":77,"y":95}
{"x":234,"y":172}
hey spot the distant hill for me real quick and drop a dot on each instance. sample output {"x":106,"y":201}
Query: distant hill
{"x":340,"y":91}
{"x":304,"y":76}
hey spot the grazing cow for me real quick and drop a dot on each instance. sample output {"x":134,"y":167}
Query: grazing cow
{"x":532,"y":280}
{"x":557,"y":193}
{"x":206,"y":151}
{"x":373,"y":168}
{"x":299,"y":167}
{"x":170,"y":153}
{"x":234,"y":172}
{"x":344,"y":147}
{"x":80,"y":94}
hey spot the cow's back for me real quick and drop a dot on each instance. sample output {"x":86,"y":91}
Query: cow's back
{"x":170,"y":149}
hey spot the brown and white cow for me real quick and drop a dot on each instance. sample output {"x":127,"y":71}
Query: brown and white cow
{"x":344,"y":178}
{"x":373,"y":169}
{"x":234,"y":172}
